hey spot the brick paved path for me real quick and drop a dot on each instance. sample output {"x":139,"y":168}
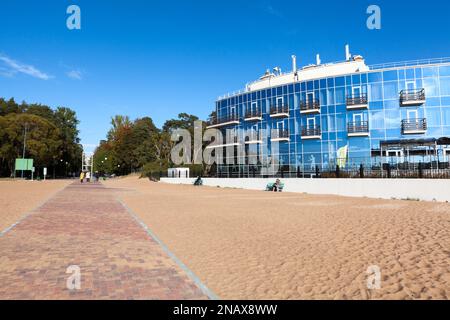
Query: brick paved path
{"x":85,"y":225}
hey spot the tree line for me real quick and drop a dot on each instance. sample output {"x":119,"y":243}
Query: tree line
{"x":50,"y":137}
{"x":139,"y":146}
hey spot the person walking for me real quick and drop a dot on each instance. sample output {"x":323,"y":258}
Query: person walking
{"x":88,"y":176}
{"x":81,"y":176}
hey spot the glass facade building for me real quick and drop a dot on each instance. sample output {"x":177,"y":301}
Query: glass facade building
{"x":397,"y":114}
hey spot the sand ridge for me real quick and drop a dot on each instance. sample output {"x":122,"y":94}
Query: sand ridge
{"x":257,"y":245}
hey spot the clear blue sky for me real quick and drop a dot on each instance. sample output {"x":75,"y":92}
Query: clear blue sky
{"x":160,"y":58}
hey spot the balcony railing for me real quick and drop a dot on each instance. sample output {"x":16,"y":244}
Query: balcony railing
{"x":359,"y":128}
{"x":279,"y":110}
{"x":310,"y":106}
{"x":412,"y":97}
{"x":414,"y":126}
{"x":359,"y":101}
{"x":255,"y":114}
{"x":311,"y":132}
{"x":253,"y":137}
{"x":224,"y":120}
{"x":280,"y":134}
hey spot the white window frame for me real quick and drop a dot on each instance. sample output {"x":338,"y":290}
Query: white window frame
{"x":355,"y":115}
{"x":233,"y":111}
{"x":409,"y":82}
{"x":397,"y":153}
{"x":253,"y":107}
{"x":278,"y":101}
{"x":353,"y":91}
{"x":282,"y":125}
{"x":409,"y":112}
{"x":313,"y":119}
{"x":308,"y":94}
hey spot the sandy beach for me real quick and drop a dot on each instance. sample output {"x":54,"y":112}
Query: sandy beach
{"x":19,"y":197}
{"x":258,"y":245}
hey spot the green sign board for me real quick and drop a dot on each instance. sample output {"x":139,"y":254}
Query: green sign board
{"x":24,"y":164}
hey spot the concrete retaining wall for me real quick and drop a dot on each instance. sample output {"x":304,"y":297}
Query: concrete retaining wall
{"x":421,"y":189}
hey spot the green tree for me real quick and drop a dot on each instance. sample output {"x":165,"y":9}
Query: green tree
{"x":42,"y":139}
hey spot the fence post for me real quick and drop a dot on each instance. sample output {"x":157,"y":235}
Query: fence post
{"x":317,"y":171}
{"x":298,"y":171}
{"x":389,"y":170}
{"x":420,"y":170}
{"x":361,"y":171}
{"x":337,"y":171}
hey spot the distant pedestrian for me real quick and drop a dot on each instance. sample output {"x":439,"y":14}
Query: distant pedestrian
{"x":82,"y":176}
{"x":88,"y":177}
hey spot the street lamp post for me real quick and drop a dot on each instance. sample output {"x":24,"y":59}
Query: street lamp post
{"x":24,"y":143}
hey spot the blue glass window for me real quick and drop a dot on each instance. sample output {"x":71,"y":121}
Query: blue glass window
{"x":445,"y":86}
{"x":391,"y":90}
{"x":409,"y":74}
{"x":392,"y":118}
{"x":418,"y":73}
{"x":340,"y":95}
{"x":340,"y":81}
{"x":364,"y":78}
{"x":431,"y":87}
{"x":390,"y":75}
{"x":376,"y":120}
{"x":279,"y":91}
{"x":433,"y":116}
{"x":446,"y":116}
{"x":375,"y":77}
{"x":330,"y":96}
{"x":444,"y":71}
{"x":330,"y":82}
{"x":316,"y":84}
{"x":430,"y":72}
{"x":445,"y":102}
{"x":356,"y":79}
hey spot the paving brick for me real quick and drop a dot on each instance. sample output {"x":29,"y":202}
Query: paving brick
{"x":85,"y":225}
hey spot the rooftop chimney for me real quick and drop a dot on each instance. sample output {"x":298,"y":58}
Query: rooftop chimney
{"x":294,"y":63}
{"x":318,"y":59}
{"x":348,"y":56}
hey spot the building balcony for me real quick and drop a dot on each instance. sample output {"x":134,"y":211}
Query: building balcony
{"x":307,"y":107}
{"x":412,"y":97}
{"x":309,"y":133}
{"x":357,"y":102}
{"x":414,"y":126}
{"x":358,"y":129}
{"x":280,"y":111}
{"x":254,"y":138}
{"x":224,"y":121}
{"x":253,"y":116}
{"x":280,"y":135}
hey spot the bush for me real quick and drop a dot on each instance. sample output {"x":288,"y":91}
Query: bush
{"x":154,"y":170}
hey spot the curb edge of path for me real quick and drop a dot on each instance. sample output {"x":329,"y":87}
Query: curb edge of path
{"x":205,"y":290}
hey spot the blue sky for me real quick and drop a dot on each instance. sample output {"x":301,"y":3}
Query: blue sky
{"x":160,"y":58}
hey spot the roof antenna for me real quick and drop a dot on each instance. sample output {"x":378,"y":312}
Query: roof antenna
{"x":318,"y":60}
